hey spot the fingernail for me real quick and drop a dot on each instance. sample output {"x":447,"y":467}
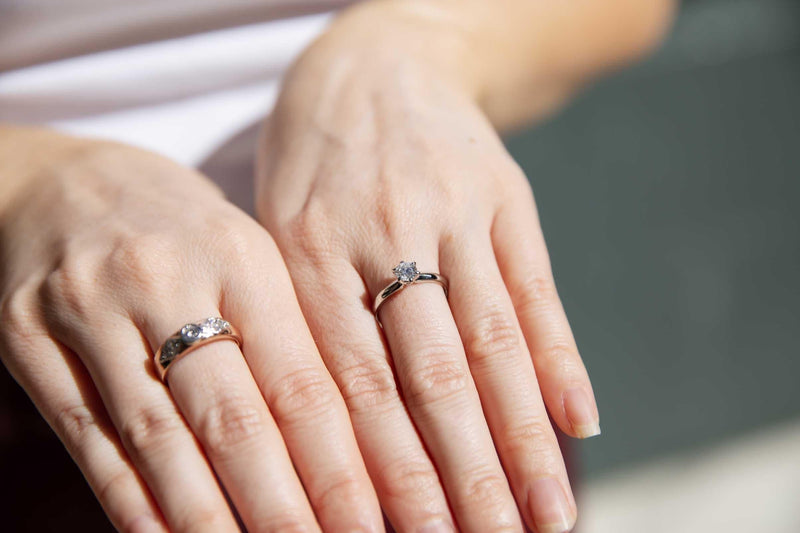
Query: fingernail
{"x":549,"y":507}
{"x":437,"y":526}
{"x":581,"y":413}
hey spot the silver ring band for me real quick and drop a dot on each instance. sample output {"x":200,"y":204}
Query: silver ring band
{"x":192,"y":336}
{"x":407,"y":274}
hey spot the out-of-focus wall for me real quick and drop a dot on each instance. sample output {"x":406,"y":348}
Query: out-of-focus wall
{"x":670,"y":198}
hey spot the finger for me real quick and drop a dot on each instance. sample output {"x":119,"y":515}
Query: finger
{"x":506,"y":381}
{"x":441,"y":396}
{"x":522,"y":256}
{"x":223,"y":406}
{"x":403,"y":475}
{"x":302,"y":396}
{"x":151,"y":428}
{"x":64,"y":394}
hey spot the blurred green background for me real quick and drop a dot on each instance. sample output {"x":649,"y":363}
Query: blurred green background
{"x":670,"y":199}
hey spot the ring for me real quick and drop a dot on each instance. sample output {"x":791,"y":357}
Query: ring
{"x":190,"y":337}
{"x":406,"y":273}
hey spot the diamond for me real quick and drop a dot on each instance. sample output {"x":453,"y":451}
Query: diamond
{"x":170,"y":349}
{"x":406,"y":271}
{"x":190,"y":333}
{"x":213,"y":326}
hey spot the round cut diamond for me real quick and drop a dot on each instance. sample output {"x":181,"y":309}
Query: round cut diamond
{"x":213,"y":326}
{"x":406,"y":271}
{"x":190,"y":333}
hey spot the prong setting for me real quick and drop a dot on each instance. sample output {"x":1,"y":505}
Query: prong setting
{"x":406,"y":271}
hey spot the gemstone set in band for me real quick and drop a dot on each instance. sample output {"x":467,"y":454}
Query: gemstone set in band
{"x":191,"y":336}
{"x":195,"y":334}
{"x":406,"y":273}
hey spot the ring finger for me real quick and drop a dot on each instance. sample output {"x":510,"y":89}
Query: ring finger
{"x":216,"y":393}
{"x":434,"y":376}
{"x":402,"y":472}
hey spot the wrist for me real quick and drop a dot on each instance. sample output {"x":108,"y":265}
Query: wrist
{"x":463,"y":51}
{"x":517,"y":60}
{"x":378,"y":43}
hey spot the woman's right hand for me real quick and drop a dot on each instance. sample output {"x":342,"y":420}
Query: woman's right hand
{"x":108,"y":250}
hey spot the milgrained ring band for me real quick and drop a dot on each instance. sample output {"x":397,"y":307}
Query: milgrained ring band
{"x":192,"y":336}
{"x":406,"y":273}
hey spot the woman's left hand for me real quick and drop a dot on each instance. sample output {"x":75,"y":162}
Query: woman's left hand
{"x":370,"y":159}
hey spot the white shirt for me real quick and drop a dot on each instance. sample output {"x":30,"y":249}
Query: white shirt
{"x":196,"y":99}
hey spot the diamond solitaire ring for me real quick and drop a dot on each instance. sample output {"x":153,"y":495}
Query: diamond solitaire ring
{"x":190,"y":337}
{"x":406,"y":273}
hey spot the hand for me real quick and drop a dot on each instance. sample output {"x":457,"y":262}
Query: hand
{"x":370,"y":158}
{"x":107,"y":251}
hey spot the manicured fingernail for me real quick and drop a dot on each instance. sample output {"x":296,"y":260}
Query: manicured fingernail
{"x":438,"y":526}
{"x":145,"y":524}
{"x":549,"y":507}
{"x":581,"y":413}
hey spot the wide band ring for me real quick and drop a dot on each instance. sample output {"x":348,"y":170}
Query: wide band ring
{"x":407,"y":274}
{"x":190,"y":337}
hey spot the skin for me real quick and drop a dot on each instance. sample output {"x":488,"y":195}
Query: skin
{"x":382,"y":147}
{"x":107,"y":250}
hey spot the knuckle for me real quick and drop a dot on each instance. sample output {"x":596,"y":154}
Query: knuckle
{"x":245,"y":252}
{"x":17,"y":318}
{"x":146,"y":261}
{"x":518,"y":183}
{"x":535,"y":293}
{"x":117,"y":483}
{"x":73,"y":423}
{"x":303,"y":393}
{"x":232,"y":244}
{"x":530,"y":438}
{"x":14,"y":310}
{"x":559,"y":355}
{"x":149,"y":429}
{"x":439,"y":378}
{"x":66,"y":287}
{"x":307,"y":221}
{"x":199,"y":518}
{"x":368,"y":384}
{"x":495,"y":335}
{"x":489,"y":489}
{"x":231,"y":423}
{"x":309,"y":237}
{"x":342,"y":493}
{"x":406,"y":480}
{"x":389,"y":222}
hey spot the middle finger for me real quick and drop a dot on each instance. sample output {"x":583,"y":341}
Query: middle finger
{"x":508,"y":386}
{"x":301,"y":395}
